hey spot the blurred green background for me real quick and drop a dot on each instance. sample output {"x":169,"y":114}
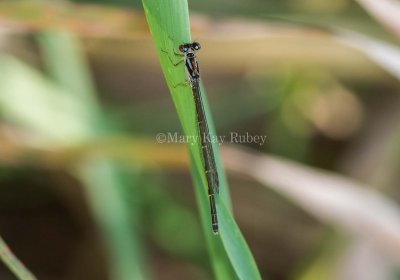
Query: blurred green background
{"x":86,"y":192}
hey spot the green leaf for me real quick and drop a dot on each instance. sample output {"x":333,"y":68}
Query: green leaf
{"x":67,"y":66}
{"x":219,"y":259}
{"x":169,"y":25}
{"x":235,"y":245}
{"x":101,"y":177}
{"x":105,"y":192}
{"x":28,"y":99}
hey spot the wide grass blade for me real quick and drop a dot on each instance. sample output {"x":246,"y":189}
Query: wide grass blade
{"x":169,"y":24}
{"x":235,"y":245}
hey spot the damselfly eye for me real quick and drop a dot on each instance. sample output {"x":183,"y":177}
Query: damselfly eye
{"x":196,"y":46}
{"x":183,"y":48}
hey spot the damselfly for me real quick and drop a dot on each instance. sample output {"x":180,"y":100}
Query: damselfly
{"x":189,"y":51}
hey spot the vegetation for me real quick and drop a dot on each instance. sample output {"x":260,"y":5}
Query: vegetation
{"x":89,"y":192}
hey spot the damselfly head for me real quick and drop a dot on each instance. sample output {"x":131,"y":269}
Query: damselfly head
{"x":189,"y":47}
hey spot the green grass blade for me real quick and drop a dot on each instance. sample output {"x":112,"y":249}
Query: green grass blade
{"x":101,"y":178}
{"x":105,"y":195}
{"x":219,"y":259}
{"x":30,"y":100}
{"x":169,"y":24}
{"x":15,"y":265}
{"x":67,"y":65}
{"x":235,"y":245}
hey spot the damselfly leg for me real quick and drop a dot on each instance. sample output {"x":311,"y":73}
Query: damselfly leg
{"x":170,"y":59}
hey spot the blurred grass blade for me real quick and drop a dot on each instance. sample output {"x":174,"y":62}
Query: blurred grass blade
{"x":333,"y":199}
{"x":28,"y":99}
{"x":11,"y":261}
{"x":386,"y":12}
{"x":100,"y":177}
{"x":67,"y":65}
{"x":105,"y":194}
{"x":382,"y":53}
{"x":169,"y":24}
